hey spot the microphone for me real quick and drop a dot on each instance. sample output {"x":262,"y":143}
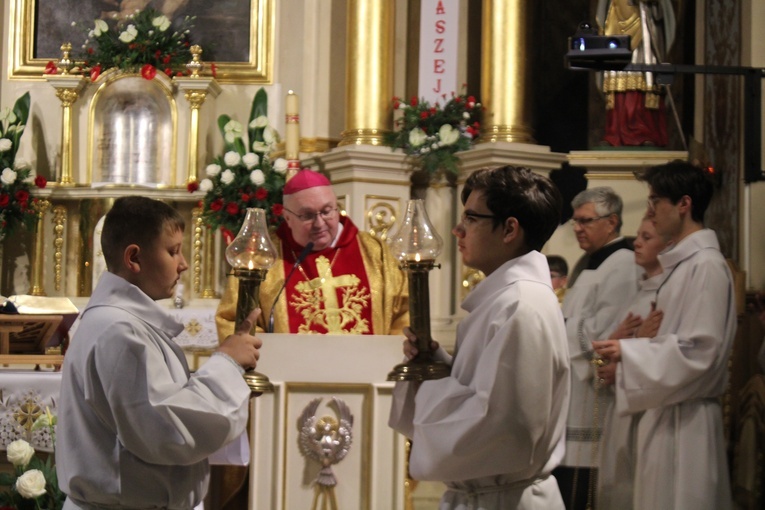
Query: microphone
{"x":298,"y":261}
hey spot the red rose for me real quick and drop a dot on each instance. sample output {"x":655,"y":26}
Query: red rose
{"x":148,"y":71}
{"x":245,"y":197}
{"x":158,"y":53}
{"x":50,"y":68}
{"x":192,"y":186}
{"x":232,"y":208}
{"x":90,"y":51}
{"x":413,"y":101}
{"x":4,"y":199}
{"x":433,"y":110}
{"x":261,"y":193}
{"x":22,"y":196}
{"x":423,"y":115}
{"x":166,"y":60}
{"x":40,"y":181}
{"x":396,"y":105}
{"x":214,"y":70}
{"x":277,"y":209}
{"x":457,"y":99}
{"x":216,"y":204}
{"x":169,"y":72}
{"x":95,"y":73}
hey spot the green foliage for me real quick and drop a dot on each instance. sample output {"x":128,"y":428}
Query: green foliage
{"x":431,"y":135}
{"x":244,"y":176}
{"x":144,"y":38}
{"x":16,"y":203}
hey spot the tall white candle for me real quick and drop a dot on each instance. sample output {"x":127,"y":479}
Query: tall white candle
{"x":292,"y":135}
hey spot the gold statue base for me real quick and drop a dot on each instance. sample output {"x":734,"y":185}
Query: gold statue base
{"x":419,"y":370}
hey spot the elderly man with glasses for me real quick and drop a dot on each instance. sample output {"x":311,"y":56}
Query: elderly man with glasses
{"x":334,"y":279}
{"x":603,"y":281}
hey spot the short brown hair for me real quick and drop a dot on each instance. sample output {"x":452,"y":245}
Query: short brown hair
{"x":135,"y":220}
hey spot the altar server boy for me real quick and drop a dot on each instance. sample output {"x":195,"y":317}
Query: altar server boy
{"x":494,"y":429}
{"x":135,"y":427}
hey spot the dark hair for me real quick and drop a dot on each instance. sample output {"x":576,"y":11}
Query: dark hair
{"x":135,"y":220}
{"x":558,"y":264}
{"x":678,"y":178}
{"x":520,"y":193}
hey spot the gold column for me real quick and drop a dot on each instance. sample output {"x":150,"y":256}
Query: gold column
{"x":196,"y":90}
{"x":369,"y":68}
{"x":37,"y":288}
{"x":506,"y":71}
{"x":208,"y":276}
{"x":68,"y":88}
{"x":59,"y":221}
{"x":196,"y":220}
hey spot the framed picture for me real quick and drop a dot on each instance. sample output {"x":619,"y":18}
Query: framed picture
{"x":235,"y":34}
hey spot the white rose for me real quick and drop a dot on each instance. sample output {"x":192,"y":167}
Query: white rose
{"x":257,"y":177}
{"x":232,"y":158}
{"x":8,"y":177}
{"x":232,"y":130}
{"x":227,"y":177}
{"x":161,"y":22}
{"x":259,"y":147}
{"x":259,"y":122}
{"x":448,"y":134}
{"x":206,"y":185}
{"x":31,"y":484}
{"x":212,"y":169}
{"x":100,"y":27}
{"x":417,"y":137}
{"x":465,"y":115}
{"x":129,"y":34}
{"x":250,"y":160}
{"x":280,"y":165}
{"x":270,"y":136}
{"x":5,"y":144}
{"x":20,"y":453}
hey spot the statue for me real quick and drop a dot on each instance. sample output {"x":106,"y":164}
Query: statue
{"x":635,"y":110}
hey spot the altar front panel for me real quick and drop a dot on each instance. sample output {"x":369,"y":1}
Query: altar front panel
{"x":352,"y":369}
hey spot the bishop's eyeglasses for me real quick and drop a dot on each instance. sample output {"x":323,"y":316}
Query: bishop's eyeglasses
{"x":326,"y":214}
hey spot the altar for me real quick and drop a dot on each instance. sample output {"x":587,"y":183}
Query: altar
{"x":329,"y":379}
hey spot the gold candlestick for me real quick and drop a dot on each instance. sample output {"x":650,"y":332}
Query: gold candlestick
{"x":37,"y":288}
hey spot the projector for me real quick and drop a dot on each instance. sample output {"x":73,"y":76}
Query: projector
{"x":588,"y":50}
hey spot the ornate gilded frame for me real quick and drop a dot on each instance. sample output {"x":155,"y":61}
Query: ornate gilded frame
{"x":23,"y":65}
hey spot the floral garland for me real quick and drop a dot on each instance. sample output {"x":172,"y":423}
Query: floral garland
{"x":144,"y":42}
{"x":16,"y":203}
{"x":33,"y":483}
{"x":244,"y":176}
{"x":431,"y":135}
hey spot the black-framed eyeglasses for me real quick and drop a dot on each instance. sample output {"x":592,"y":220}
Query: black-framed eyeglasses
{"x":583,"y":222}
{"x":469,"y":217}
{"x":309,"y":217}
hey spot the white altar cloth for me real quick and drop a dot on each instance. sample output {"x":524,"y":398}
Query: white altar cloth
{"x":24,"y":396}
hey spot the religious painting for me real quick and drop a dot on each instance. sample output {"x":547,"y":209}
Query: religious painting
{"x":237,"y":35}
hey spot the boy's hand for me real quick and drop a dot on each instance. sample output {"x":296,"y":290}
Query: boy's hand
{"x":410,"y":344}
{"x":627,"y":328}
{"x":242,"y":346}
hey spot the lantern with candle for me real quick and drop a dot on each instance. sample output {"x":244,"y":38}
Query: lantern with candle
{"x":416,"y":245}
{"x":251,"y":254}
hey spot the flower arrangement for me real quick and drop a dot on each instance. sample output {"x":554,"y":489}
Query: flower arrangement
{"x":244,"y":176}
{"x":144,"y":42}
{"x":431,"y":135}
{"x":15,"y":200}
{"x":33,"y":483}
